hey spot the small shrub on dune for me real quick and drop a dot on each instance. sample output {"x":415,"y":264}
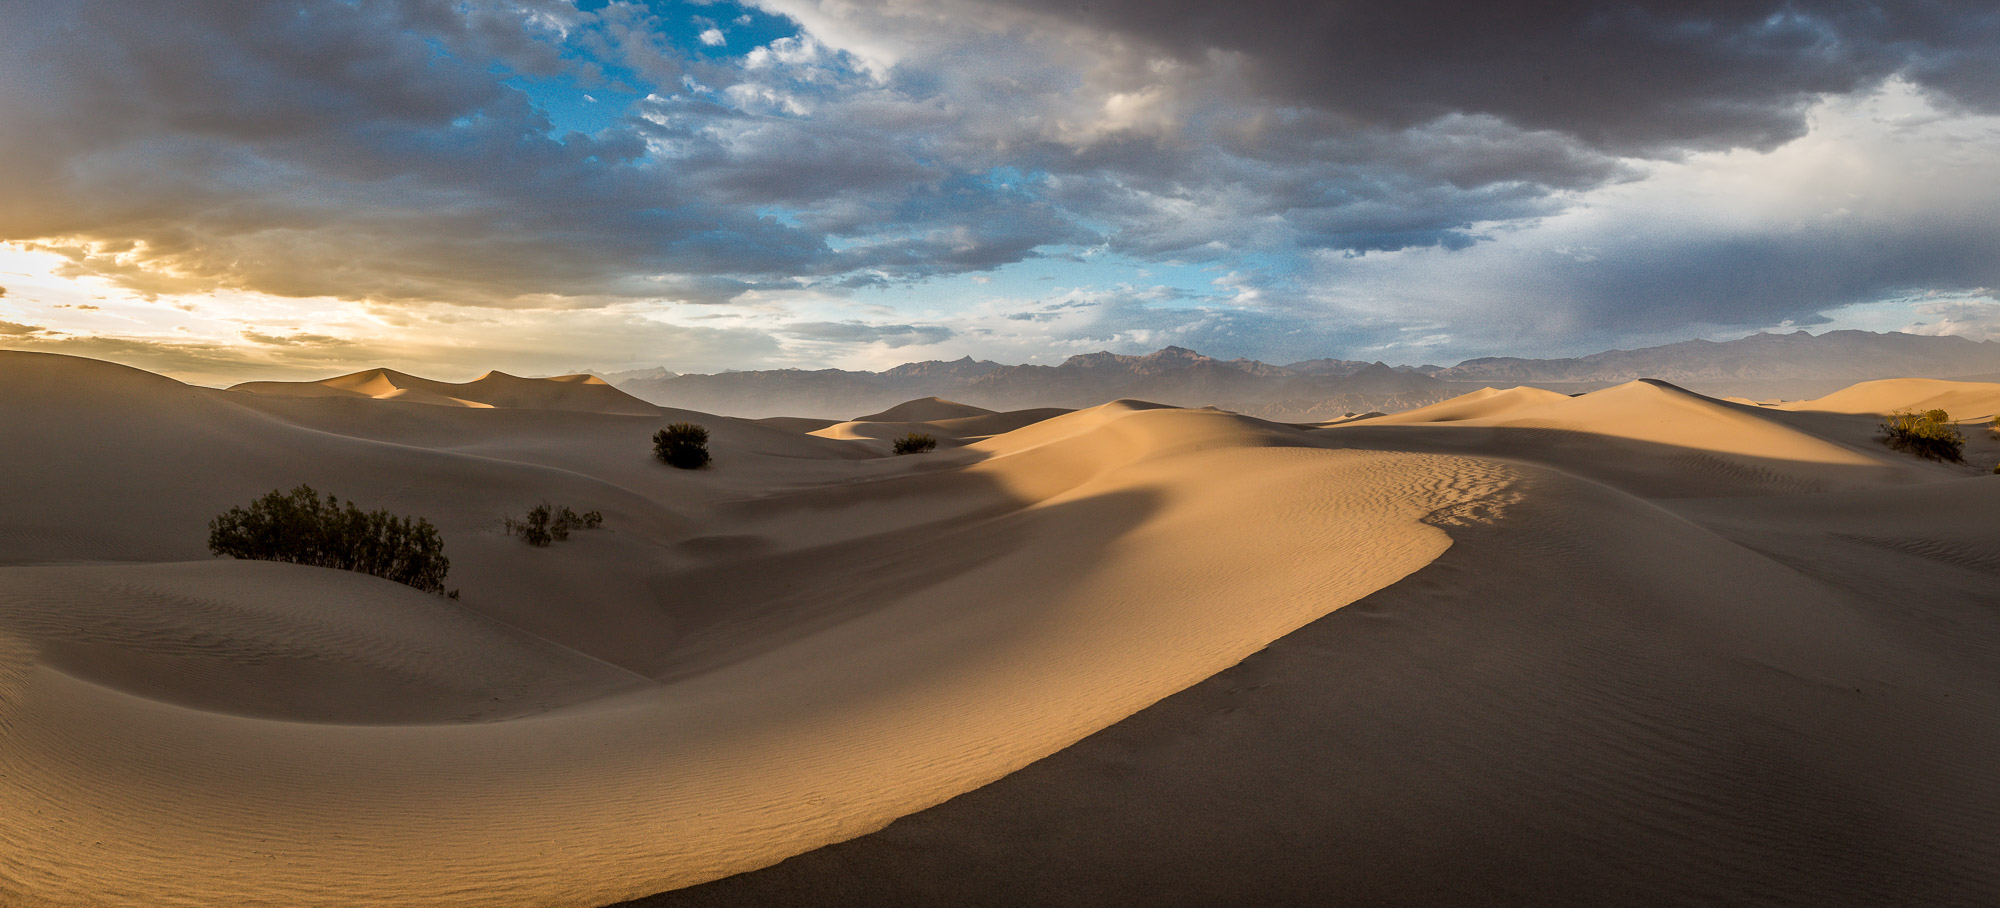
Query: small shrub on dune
{"x":547,"y":523}
{"x":914,"y":443}
{"x":298,"y":527}
{"x":683,"y":445}
{"x":1930,"y":435}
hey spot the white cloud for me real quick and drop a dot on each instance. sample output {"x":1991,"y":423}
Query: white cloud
{"x":1973,"y":319}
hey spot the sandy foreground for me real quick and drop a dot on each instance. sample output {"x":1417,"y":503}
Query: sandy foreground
{"x":1638,"y":645}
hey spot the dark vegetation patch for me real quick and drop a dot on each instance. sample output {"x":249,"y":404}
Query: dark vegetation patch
{"x":683,"y":445}
{"x":546,"y":523}
{"x":1930,"y":435}
{"x":915,"y":443}
{"x":299,"y":527}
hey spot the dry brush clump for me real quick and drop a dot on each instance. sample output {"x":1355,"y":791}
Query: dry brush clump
{"x":914,"y":443}
{"x":1931,"y":435}
{"x":299,"y":527}
{"x":683,"y":445}
{"x":546,"y":523}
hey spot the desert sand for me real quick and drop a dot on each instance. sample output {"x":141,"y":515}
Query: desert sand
{"x":1638,"y":645}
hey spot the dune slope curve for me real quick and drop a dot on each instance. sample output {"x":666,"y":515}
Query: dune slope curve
{"x":1138,"y":551}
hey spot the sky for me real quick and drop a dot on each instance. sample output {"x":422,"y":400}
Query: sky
{"x":226,"y":190}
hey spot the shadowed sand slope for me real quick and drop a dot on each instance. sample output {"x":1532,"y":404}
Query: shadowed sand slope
{"x":494,"y":389}
{"x":1591,"y":701}
{"x":790,"y":648}
{"x":925,"y":409}
{"x":947,"y":429}
{"x":1760,"y":670}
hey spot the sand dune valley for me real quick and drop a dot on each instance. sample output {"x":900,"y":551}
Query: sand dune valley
{"x":1633,"y":646}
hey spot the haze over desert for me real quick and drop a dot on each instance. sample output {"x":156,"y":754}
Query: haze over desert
{"x":606,"y":453}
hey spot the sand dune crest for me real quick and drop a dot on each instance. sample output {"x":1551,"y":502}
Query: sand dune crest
{"x":493,"y":389}
{"x":1963,"y":400}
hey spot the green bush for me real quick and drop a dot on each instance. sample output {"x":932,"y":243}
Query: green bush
{"x":300,"y":528}
{"x":547,"y":523}
{"x":682,"y":444}
{"x":1930,"y":435}
{"x":915,"y":443}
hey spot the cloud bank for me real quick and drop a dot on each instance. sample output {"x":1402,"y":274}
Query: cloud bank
{"x":1447,"y":175}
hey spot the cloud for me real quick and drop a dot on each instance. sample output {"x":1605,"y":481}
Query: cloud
{"x":296,"y":340}
{"x":290,"y":170}
{"x":1645,"y":77}
{"x":1972,"y":319}
{"x":16,"y":329}
{"x":167,"y":357}
{"x":1487,"y":173}
{"x":445,"y":342}
{"x":891,"y":336}
{"x":1885,"y":198}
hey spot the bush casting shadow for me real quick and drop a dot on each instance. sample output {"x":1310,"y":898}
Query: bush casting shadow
{"x":682,"y":444}
{"x":1930,"y":435}
{"x":300,"y":528}
{"x":915,"y":443}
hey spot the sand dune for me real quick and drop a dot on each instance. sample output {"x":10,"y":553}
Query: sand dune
{"x":1634,"y":646}
{"x":587,"y":393}
{"x":925,"y":409}
{"x":1654,"y":439}
{"x":801,"y":424}
{"x":943,"y":420}
{"x":1485,"y":403}
{"x":1599,"y":697}
{"x":577,"y":728}
{"x":1589,"y":701}
{"x":1964,"y":400}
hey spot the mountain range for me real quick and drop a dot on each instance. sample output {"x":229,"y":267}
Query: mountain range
{"x":1760,"y":366}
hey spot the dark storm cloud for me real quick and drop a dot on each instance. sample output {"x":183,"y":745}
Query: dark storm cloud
{"x":1642,"y":76}
{"x":1767,"y":279}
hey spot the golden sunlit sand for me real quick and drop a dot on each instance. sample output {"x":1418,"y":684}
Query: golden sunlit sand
{"x":1634,"y":645}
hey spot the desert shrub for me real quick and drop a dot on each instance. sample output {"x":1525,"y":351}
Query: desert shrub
{"x":546,"y":523}
{"x":682,"y":444}
{"x":915,"y":443}
{"x":1930,"y":435}
{"x":299,"y":527}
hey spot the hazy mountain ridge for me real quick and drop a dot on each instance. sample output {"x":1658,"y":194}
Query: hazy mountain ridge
{"x":1174,"y":375}
{"x":1799,"y":355}
{"x":1319,"y":388}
